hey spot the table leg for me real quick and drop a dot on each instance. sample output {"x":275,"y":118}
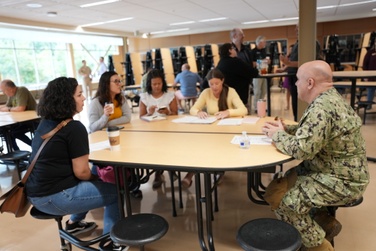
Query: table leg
{"x":268,"y":81}
{"x":204,"y":242}
{"x":353,"y":90}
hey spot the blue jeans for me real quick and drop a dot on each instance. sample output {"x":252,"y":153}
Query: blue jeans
{"x":370,"y":93}
{"x":78,"y":200}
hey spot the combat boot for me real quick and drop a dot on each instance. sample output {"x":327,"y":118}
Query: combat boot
{"x":325,"y":246}
{"x":329,"y":224}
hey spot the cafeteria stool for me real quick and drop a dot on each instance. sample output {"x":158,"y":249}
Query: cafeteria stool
{"x":16,"y":157}
{"x":333,"y":209}
{"x":267,"y":234}
{"x":188,"y":102}
{"x":139,"y":230}
{"x":67,"y":239}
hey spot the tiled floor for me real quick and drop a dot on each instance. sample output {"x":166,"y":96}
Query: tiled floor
{"x":359,"y":223}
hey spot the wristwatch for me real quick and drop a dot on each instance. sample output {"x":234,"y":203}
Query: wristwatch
{"x":9,"y":109}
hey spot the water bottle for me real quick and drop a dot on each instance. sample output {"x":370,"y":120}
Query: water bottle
{"x":244,"y":141}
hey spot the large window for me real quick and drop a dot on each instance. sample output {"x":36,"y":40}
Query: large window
{"x":36,"y":58}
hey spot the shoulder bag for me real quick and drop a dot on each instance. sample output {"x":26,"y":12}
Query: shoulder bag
{"x":15,"y":200}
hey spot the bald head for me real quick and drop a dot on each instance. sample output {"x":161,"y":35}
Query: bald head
{"x":185,"y":67}
{"x":314,"y":78}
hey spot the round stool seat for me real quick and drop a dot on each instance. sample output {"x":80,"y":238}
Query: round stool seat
{"x":35,"y":213}
{"x":139,"y":229}
{"x":268,"y":235}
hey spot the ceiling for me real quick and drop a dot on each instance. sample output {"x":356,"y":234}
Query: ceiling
{"x":154,"y":17}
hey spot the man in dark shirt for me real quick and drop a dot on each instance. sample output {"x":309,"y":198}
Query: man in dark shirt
{"x":244,"y":53}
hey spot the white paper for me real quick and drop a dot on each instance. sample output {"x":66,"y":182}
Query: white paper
{"x":255,"y":140}
{"x":195,"y":120}
{"x":230,"y":122}
{"x":251,"y":120}
{"x":99,"y":146}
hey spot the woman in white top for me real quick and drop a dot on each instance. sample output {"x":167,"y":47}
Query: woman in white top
{"x":157,"y":101}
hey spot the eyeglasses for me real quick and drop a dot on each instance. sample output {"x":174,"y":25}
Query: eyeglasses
{"x":116,"y":81}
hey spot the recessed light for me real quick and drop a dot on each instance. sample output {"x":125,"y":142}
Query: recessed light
{"x":52,"y":14}
{"x":33,"y":5}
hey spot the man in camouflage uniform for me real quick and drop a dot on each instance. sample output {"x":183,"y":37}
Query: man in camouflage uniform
{"x":334,"y":168}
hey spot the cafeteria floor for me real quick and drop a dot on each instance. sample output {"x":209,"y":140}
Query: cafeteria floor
{"x":359,"y":223}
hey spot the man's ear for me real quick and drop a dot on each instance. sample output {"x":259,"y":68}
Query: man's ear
{"x":311,"y":83}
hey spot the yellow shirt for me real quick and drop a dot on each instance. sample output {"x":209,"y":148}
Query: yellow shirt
{"x":117,"y":111}
{"x":208,"y":100}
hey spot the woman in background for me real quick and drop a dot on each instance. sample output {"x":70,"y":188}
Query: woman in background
{"x":157,"y":101}
{"x":101,"y":113}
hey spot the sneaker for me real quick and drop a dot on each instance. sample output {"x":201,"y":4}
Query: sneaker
{"x":111,"y":246}
{"x":80,"y":227}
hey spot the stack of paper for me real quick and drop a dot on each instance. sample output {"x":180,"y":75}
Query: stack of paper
{"x":195,"y":120}
{"x":153,"y":118}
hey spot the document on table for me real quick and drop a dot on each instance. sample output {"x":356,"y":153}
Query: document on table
{"x":255,"y":140}
{"x":99,"y":146}
{"x":230,"y":122}
{"x":195,"y":120}
{"x":250,"y":120}
{"x":153,"y":118}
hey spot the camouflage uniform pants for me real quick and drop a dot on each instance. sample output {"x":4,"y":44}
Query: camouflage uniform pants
{"x":297,"y":203}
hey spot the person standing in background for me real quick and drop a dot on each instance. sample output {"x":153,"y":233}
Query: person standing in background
{"x":244,"y":53}
{"x":188,"y":84}
{"x":19,"y":100}
{"x":259,"y":84}
{"x":237,"y":73}
{"x":291,"y":66}
{"x":369,"y":63}
{"x":85,"y":72}
{"x":102,"y":67}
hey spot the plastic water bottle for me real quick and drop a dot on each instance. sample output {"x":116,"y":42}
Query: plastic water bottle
{"x":244,"y":141}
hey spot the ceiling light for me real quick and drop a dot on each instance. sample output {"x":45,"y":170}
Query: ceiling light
{"x":98,"y":3}
{"x":284,"y":19}
{"x":327,"y":7}
{"x":351,"y":4}
{"x":33,"y":5}
{"x":52,"y":14}
{"x":213,"y":19}
{"x":145,"y":35}
{"x":166,"y":31}
{"x":107,"y":22}
{"x":256,"y":22}
{"x":181,"y":23}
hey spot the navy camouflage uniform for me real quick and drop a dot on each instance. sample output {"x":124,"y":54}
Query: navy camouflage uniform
{"x":334,"y":168}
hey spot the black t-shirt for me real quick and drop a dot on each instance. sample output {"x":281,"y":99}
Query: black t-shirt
{"x":258,"y":54}
{"x":53,"y":171}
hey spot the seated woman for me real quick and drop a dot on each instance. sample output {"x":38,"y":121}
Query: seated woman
{"x":101,"y":114}
{"x":61,"y":182}
{"x":151,"y":101}
{"x":219,"y":100}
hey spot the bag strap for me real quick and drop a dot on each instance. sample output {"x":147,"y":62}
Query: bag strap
{"x":46,"y":138}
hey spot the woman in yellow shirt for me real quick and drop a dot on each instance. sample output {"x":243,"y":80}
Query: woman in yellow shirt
{"x":219,"y":100}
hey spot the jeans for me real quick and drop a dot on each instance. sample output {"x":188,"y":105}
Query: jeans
{"x":78,"y":200}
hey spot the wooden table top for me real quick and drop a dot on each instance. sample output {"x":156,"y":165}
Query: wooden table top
{"x":9,"y":118}
{"x":354,"y":74}
{"x":184,"y":152}
{"x":168,"y":126}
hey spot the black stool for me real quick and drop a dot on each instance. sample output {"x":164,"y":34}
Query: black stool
{"x":268,"y":235}
{"x":67,"y":239}
{"x":332,"y":209}
{"x":16,"y":157}
{"x":139,"y":230}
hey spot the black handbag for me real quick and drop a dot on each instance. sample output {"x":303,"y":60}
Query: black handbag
{"x":15,"y":200}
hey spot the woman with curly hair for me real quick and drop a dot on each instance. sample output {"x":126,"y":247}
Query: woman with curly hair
{"x":61,"y":182}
